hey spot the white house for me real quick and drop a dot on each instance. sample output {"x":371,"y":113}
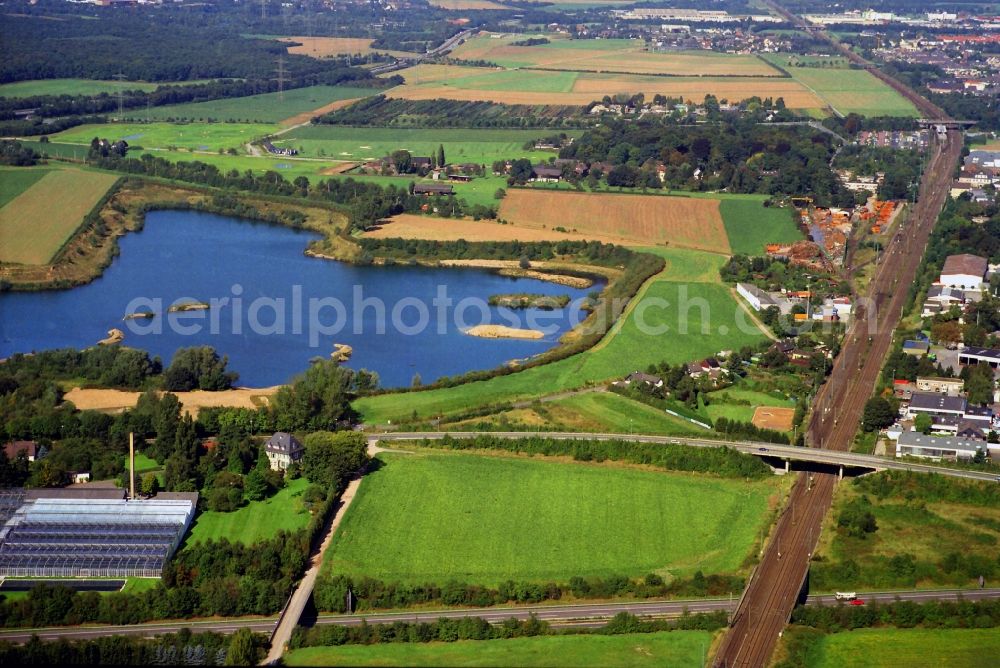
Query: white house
{"x":283,"y":449}
{"x":915,"y":444}
{"x":965,"y":272}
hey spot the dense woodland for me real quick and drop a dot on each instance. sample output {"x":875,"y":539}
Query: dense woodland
{"x":738,"y":156}
{"x":380,"y":111}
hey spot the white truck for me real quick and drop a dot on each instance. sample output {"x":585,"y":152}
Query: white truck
{"x":845,"y":595}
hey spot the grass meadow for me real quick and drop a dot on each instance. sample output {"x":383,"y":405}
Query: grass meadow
{"x":440,"y":516}
{"x":914,"y":648}
{"x":674,"y":648}
{"x":609,"y":412}
{"x":70,"y":87}
{"x":265,"y":108}
{"x":257,"y":520}
{"x":460,"y":145}
{"x":751,"y":226}
{"x":853,"y":91}
{"x":36,"y":223}
{"x":191,"y":136}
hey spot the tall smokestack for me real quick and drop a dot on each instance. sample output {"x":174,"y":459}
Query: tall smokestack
{"x":131,"y":465}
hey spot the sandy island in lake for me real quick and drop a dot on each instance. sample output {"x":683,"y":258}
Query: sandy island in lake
{"x":503,"y":332}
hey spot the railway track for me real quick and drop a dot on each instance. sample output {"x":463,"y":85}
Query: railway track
{"x":776,"y":584}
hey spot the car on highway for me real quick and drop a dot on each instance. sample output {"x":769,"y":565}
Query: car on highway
{"x":762,"y":450}
{"x":857,"y":601}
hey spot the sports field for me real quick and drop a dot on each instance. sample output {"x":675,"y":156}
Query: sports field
{"x":681,"y":649}
{"x":70,"y":87}
{"x":434,"y":517}
{"x":428,"y":82}
{"x":640,"y":219}
{"x":608,"y":55}
{"x":480,"y":146}
{"x":266,"y":108}
{"x":37,"y":222}
{"x":255,"y":521}
{"x":182,"y":136}
{"x":914,"y":648}
{"x":682,"y":319}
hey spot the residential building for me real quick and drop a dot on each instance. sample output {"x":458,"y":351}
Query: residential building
{"x":31,"y":449}
{"x":936,"y":405}
{"x":965,"y":272}
{"x":283,"y":449}
{"x":429,"y":189}
{"x":643,"y":378}
{"x":915,"y":444}
{"x":756,"y":297}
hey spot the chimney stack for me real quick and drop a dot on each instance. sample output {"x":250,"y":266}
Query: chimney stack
{"x":131,"y":466}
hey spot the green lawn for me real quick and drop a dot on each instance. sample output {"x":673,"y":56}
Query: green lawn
{"x":460,"y":145}
{"x":751,"y":226}
{"x":187,"y":136}
{"x":914,"y":648}
{"x":609,"y":412}
{"x":673,"y":648}
{"x":724,"y":404}
{"x":683,"y":308}
{"x":255,"y":521}
{"x":15,"y":180}
{"x":435,"y":516}
{"x":266,"y":108}
{"x":70,"y":87}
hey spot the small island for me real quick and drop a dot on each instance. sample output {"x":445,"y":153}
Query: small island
{"x":188,"y":306}
{"x":139,"y":315}
{"x":114,"y":336}
{"x":503,"y":332}
{"x":530,"y":300}
{"x":341,"y":352}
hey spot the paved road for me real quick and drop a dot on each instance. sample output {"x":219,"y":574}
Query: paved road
{"x":760,"y":449}
{"x":594,"y":614}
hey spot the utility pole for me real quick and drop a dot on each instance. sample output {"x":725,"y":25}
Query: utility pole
{"x":281,"y":78}
{"x":263,"y":9}
{"x":120,"y":77}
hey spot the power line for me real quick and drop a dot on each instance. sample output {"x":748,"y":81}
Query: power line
{"x":281,"y":78}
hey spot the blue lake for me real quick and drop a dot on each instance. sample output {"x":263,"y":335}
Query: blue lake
{"x":276,"y":309}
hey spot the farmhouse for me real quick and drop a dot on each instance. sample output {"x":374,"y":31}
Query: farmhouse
{"x":965,"y":272}
{"x":643,"y":379}
{"x":283,"y":449}
{"x":31,"y":450}
{"x":546,"y":173}
{"x":429,"y":189}
{"x":915,"y":444}
{"x":274,"y":150}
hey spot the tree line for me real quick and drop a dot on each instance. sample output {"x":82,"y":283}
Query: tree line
{"x":382,"y":111}
{"x":331,"y":592}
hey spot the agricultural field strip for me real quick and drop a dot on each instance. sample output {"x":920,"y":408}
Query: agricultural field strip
{"x":35,"y":224}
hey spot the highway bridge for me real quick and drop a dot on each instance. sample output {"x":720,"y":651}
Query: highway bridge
{"x":769,"y":451}
{"x":582,"y":614}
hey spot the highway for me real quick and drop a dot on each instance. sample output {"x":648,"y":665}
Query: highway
{"x":584,"y":614}
{"x":758,"y":448}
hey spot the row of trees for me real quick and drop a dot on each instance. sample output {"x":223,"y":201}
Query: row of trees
{"x":331,"y":592}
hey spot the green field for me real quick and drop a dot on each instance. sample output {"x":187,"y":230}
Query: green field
{"x":852,"y":91}
{"x":751,"y":226}
{"x":70,"y":87}
{"x":705,"y":301}
{"x":256,"y":521}
{"x":36,"y":223}
{"x":914,"y":648}
{"x":15,"y":180}
{"x":609,"y":412}
{"x":187,"y":136}
{"x":724,"y":404}
{"x":673,"y":648}
{"x":441,"y":516}
{"x":266,"y":108}
{"x":460,"y":145}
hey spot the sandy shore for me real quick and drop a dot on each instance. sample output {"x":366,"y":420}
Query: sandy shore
{"x":117,"y":400}
{"x":114,"y":336}
{"x":513,"y":268}
{"x":503,"y":332}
